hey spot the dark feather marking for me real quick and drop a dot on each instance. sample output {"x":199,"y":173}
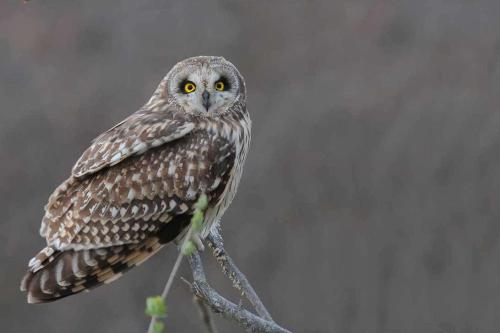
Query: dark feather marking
{"x":173,"y":228}
{"x":119,"y":267}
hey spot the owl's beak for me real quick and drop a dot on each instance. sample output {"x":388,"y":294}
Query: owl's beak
{"x":206,"y":99}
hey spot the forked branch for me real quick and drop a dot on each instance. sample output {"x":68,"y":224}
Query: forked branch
{"x":238,"y":279}
{"x":227,"y":309}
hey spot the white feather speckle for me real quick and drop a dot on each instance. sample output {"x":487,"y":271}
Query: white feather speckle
{"x":116,"y":158}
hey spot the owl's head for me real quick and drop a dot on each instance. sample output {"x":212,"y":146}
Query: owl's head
{"x":204,"y":85}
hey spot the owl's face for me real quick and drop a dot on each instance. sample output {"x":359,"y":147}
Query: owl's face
{"x":205,"y":85}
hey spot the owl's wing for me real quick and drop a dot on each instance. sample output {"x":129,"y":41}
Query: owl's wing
{"x":143,"y":191}
{"x":99,"y":226}
{"x":136,"y":134}
{"x":127,"y":202}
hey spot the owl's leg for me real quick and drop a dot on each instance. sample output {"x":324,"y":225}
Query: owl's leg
{"x":239,"y":280}
{"x":198,"y":241}
{"x":192,"y":235}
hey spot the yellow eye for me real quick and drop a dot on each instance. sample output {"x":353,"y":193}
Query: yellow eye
{"x":219,"y":85}
{"x":189,"y":87}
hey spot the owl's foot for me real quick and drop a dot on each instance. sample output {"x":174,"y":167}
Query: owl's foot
{"x":198,"y":241}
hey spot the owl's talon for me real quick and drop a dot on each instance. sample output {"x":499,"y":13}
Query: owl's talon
{"x":196,"y":238}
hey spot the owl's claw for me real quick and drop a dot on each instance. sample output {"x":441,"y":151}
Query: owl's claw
{"x":197,"y":240}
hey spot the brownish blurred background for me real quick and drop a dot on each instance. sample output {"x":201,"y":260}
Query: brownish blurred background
{"x":370,"y":198}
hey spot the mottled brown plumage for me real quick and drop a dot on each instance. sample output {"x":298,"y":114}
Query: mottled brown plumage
{"x":133,"y":190}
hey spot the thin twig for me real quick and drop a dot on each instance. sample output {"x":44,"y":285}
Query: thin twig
{"x":230,"y":269}
{"x":172,"y":275}
{"x":170,"y":280}
{"x":205,"y":313}
{"x":206,"y":316}
{"x":236,"y":313}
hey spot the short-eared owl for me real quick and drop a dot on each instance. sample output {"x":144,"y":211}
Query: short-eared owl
{"x":133,"y":190}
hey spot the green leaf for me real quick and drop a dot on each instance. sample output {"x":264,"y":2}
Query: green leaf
{"x":188,"y":248}
{"x":158,"y":326}
{"x":155,"y":307}
{"x":202,"y":202}
{"x":197,"y":220}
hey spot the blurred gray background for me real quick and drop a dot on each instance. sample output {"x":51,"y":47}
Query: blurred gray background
{"x":370,"y":198}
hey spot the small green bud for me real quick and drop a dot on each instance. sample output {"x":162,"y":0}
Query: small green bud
{"x":158,"y":327}
{"x":202,"y":202}
{"x":155,"y":307}
{"x":197,"y":220}
{"x":188,"y":248}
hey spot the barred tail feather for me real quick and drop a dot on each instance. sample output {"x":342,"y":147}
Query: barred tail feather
{"x":64,"y":273}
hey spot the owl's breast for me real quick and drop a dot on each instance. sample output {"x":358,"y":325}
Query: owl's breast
{"x":238,"y":133}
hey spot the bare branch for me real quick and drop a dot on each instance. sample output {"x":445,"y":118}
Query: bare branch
{"x":236,"y":313}
{"x":238,"y":279}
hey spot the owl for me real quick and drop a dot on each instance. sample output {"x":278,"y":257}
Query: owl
{"x":135,"y":188}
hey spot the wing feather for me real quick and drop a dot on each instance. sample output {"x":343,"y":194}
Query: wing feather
{"x":141,"y":131}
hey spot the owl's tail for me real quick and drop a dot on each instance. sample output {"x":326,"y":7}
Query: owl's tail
{"x":57,"y":274}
